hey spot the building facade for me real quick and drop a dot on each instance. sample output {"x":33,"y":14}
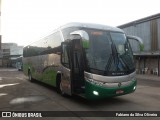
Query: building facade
{"x":10,"y":52}
{"x":0,"y":25}
{"x":147,"y":62}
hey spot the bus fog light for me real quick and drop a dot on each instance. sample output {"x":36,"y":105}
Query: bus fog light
{"x":134,"y":87}
{"x":95,"y":93}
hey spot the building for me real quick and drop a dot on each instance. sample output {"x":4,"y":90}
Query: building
{"x":0,"y":37}
{"x":10,"y":52}
{"x":147,"y":62}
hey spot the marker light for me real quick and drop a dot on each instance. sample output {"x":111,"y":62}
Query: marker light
{"x":95,"y":93}
{"x":97,"y":33}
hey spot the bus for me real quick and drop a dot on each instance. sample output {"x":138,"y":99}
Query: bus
{"x":89,"y":60}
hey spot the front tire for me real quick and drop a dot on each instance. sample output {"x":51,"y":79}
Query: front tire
{"x":59,"y":87}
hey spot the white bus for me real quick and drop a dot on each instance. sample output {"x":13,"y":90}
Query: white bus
{"x":90,"y":60}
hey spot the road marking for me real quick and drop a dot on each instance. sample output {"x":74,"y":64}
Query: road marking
{"x":7,"y":77}
{"x":27,"y":99}
{"x":3,"y":70}
{"x":4,"y":85}
{"x":2,"y":94}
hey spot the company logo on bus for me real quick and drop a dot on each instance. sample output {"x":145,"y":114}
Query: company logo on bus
{"x":119,"y":84}
{"x":121,"y":73}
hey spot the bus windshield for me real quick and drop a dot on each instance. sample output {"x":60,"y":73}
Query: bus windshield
{"x":109,"y":53}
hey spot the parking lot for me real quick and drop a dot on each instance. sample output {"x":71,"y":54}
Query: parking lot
{"x":17,"y":93}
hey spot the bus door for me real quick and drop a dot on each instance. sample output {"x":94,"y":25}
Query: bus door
{"x":73,"y":73}
{"x":77,"y":69}
{"x":66,"y":85}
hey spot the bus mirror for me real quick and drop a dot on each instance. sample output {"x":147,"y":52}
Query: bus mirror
{"x":84,"y":36}
{"x":75,"y":37}
{"x":140,"y":41}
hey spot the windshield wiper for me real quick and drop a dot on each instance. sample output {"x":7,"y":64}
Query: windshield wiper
{"x":117,"y":60}
{"x":110,"y":60}
{"x":113,"y":57}
{"x":124,"y":62}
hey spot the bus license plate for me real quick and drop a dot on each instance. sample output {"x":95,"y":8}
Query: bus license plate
{"x":119,"y":92}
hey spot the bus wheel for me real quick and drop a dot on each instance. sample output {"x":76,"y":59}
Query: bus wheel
{"x":30,"y":76}
{"x":59,"y":87}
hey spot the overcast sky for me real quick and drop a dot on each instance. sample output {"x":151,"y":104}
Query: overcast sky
{"x":25,"y":21}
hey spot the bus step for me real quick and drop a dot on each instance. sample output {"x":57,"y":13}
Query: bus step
{"x":80,"y":90}
{"x":82,"y":95}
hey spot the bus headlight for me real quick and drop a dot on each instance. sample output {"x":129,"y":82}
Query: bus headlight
{"x":134,"y":87}
{"x":95,"y":93}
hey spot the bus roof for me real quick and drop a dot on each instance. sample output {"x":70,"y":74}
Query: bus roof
{"x":91,"y":25}
{"x":84,"y":25}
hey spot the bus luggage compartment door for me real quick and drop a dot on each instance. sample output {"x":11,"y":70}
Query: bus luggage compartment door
{"x":66,"y":81}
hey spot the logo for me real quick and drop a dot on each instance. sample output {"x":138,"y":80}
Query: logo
{"x":121,"y":73}
{"x":6,"y":114}
{"x":119,"y":84}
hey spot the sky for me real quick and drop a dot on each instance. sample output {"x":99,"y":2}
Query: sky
{"x":26,"y":21}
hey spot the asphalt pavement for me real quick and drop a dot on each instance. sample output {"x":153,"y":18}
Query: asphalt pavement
{"x":17,"y":93}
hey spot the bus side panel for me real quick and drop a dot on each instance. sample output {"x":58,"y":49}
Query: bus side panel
{"x":32,"y":64}
{"x":44,"y":68}
{"x":26,"y":65}
{"x":50,"y":69}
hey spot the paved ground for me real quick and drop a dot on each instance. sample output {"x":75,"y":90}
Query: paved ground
{"x":18,"y":94}
{"x":148,"y":77}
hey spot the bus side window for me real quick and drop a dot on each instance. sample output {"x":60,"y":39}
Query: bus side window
{"x":64,"y":56}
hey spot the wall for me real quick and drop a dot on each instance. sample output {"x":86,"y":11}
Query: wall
{"x":149,"y":30}
{"x":158,"y":23}
{"x":10,"y":52}
{"x":146,"y":28}
{"x":141,"y":30}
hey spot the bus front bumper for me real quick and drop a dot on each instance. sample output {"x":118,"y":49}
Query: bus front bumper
{"x":94,"y":91}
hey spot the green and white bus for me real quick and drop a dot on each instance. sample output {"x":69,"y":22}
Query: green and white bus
{"x":90,"y":60}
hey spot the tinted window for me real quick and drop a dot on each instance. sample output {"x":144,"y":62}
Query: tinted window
{"x":52,"y":44}
{"x":65,"y":56}
{"x":48,"y":45}
{"x":99,"y":49}
{"x":54,"y":40}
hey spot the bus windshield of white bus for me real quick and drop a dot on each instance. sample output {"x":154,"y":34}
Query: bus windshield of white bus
{"x":109,"y":53}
